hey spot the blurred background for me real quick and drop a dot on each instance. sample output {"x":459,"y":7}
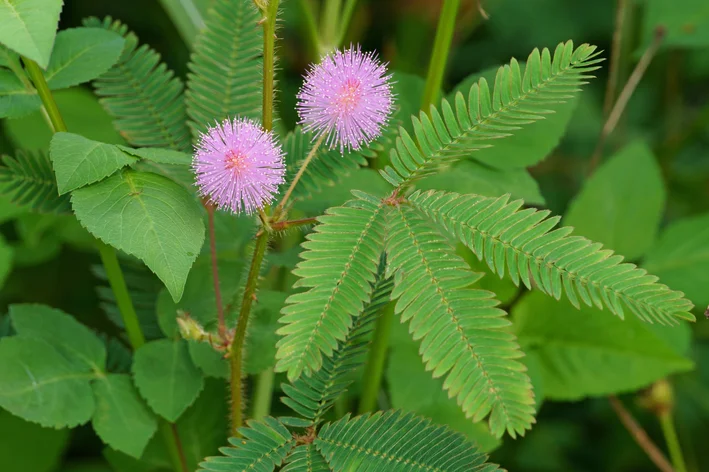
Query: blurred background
{"x":669,"y":110}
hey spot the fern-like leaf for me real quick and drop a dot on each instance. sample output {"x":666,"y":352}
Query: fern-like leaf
{"x":29,"y":180}
{"x":463,"y":333}
{"x":523,"y":243}
{"x":396,"y":442}
{"x":226,"y":67}
{"x":264,"y":447}
{"x":306,"y":458}
{"x":142,"y":95}
{"x":463,"y":127}
{"x":313,"y":396}
{"x":339,"y":266}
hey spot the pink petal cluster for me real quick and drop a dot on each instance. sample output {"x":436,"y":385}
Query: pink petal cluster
{"x":239,"y":166}
{"x":347,"y":97}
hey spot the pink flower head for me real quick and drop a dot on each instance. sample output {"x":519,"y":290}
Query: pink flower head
{"x":346,"y":97}
{"x":238,"y":165}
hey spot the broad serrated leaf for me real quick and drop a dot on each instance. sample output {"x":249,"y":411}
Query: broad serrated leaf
{"x":75,"y":341}
{"x":524,"y":244}
{"x":28,"y":27}
{"x":144,"y":97}
{"x":463,"y":334}
{"x":456,"y":130}
{"x":166,"y":377}
{"x":121,"y":418}
{"x":148,"y":216}
{"x":263,"y":447}
{"x":681,"y":257}
{"x":339,"y":264}
{"x":16,"y":98}
{"x":28,"y":180}
{"x":226,"y":67}
{"x":78,"y":161}
{"x":402,"y":443}
{"x":621,"y":213}
{"x":81,"y":55}
{"x":584,"y":354}
{"x":38,"y":384}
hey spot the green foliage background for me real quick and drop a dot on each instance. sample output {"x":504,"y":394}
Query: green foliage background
{"x":649,"y":200}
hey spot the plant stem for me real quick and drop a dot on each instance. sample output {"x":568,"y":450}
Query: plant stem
{"x":120,"y":292}
{"x":668,"y":429}
{"x":284,"y":225}
{"x":110,"y":262}
{"x":263,"y":394}
{"x":374,"y":369}
{"x":614,"y":68}
{"x":186,"y":17}
{"x":301,"y":171}
{"x":45,"y":95}
{"x":640,"y":436}
{"x":311,"y":28}
{"x":236,"y":351}
{"x":624,"y":98}
{"x":269,"y":45}
{"x":347,"y":13}
{"x":215,"y":272}
{"x":171,"y":438}
{"x":330,"y":23}
{"x":441,"y":49}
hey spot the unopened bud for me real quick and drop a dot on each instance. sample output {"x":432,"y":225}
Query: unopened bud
{"x":190,"y":329}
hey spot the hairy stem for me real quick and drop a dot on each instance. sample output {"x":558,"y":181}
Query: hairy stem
{"x":236,"y":351}
{"x":640,"y":436}
{"x":110,"y":263}
{"x":281,"y":206}
{"x":263,"y":394}
{"x":284,"y":225}
{"x":215,"y":272}
{"x":624,"y":98}
{"x":186,"y":17}
{"x":269,"y":45}
{"x":441,"y":49}
{"x":374,"y":369}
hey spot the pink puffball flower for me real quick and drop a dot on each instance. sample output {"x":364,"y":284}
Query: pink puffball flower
{"x":238,"y":166}
{"x":347,"y":98}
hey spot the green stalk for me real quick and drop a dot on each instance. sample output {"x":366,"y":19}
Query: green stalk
{"x":236,"y":351}
{"x":263,"y":394}
{"x":330,"y":24}
{"x":311,"y":28}
{"x":269,"y":45}
{"x":347,"y":13}
{"x":374,"y":370}
{"x":668,"y":429}
{"x":111,"y":265}
{"x":441,"y":50}
{"x":186,"y":17}
{"x":120,"y":291}
{"x":45,"y":95}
